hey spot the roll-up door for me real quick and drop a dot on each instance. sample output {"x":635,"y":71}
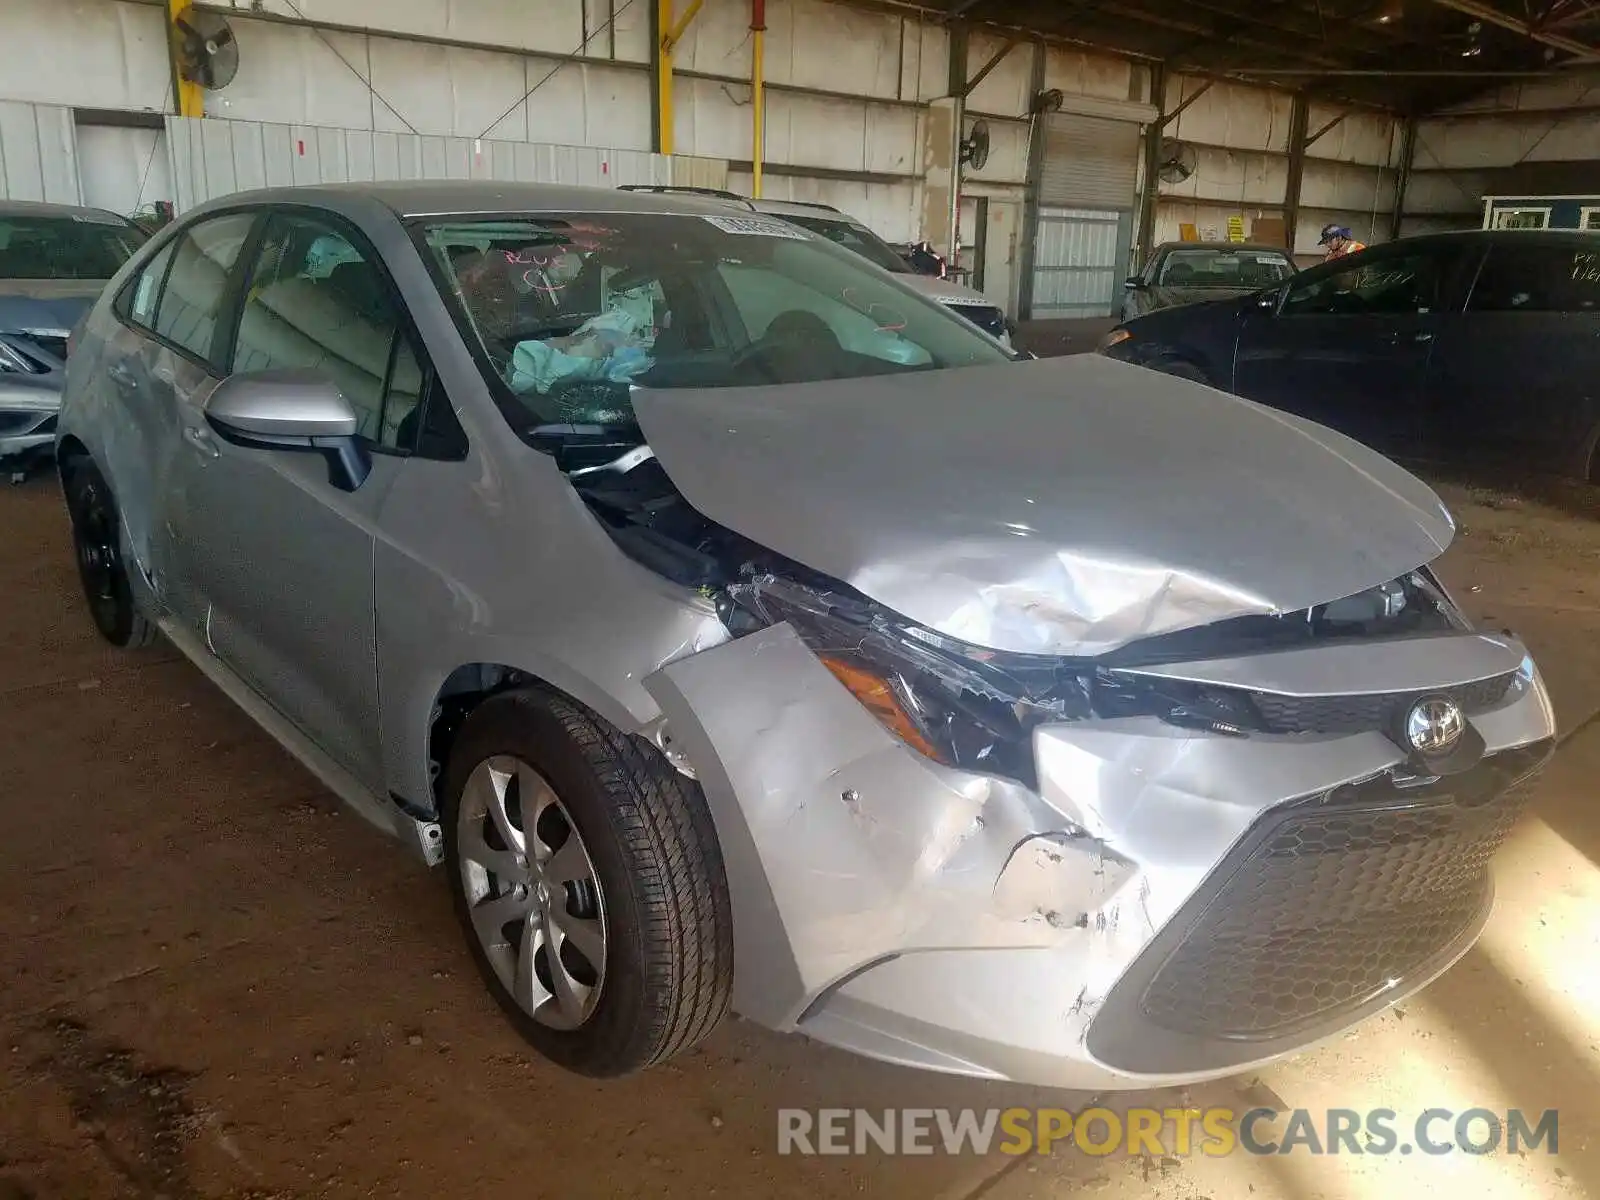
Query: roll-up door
{"x":1089,"y":162}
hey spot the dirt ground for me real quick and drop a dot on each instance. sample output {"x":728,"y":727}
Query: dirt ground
{"x":217,"y":984}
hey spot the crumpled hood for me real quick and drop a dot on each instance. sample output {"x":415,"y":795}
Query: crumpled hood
{"x":1060,"y":506}
{"x":52,"y":305}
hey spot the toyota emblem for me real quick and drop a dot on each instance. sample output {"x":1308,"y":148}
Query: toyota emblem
{"x":1434,"y":725}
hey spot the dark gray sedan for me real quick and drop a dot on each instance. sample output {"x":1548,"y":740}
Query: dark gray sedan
{"x":54,"y":259}
{"x":1187,"y":272}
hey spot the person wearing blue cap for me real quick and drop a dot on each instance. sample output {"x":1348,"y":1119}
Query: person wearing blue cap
{"x":1339,"y":241}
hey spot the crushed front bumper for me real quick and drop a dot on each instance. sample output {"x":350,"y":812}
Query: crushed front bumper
{"x":1168,"y":906}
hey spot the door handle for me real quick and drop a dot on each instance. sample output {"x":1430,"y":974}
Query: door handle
{"x":1419,"y":338}
{"x":122,"y":376}
{"x":201,"y":440}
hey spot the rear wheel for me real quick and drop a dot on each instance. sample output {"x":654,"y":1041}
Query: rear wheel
{"x":97,"y":546}
{"x":587,"y":876}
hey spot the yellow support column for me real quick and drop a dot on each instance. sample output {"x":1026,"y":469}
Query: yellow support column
{"x":191,"y":97}
{"x":672,"y":31}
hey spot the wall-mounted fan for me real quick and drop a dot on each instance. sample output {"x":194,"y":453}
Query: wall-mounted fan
{"x":975,"y":146}
{"x":207,"y":52}
{"x":1177,"y":161}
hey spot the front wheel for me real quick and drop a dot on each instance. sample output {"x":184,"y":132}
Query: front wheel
{"x":97,"y":546}
{"x":587,"y":875}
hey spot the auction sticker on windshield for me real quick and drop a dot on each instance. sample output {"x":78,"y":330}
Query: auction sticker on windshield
{"x":758,"y":227}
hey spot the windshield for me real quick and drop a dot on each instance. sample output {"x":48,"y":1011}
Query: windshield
{"x":1224,"y":268}
{"x":63,"y":248}
{"x":853,"y":237}
{"x":567,"y":312}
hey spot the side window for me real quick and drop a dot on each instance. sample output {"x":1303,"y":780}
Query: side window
{"x":1538,"y":279}
{"x":316,"y":301}
{"x":197,"y":285}
{"x":1392,"y":285}
{"x":138,"y":300}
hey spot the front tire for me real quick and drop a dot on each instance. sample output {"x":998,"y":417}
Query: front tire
{"x":587,"y":875}
{"x":97,"y":546}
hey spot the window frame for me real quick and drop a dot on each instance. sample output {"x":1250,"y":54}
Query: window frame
{"x":227,"y":311}
{"x":1448,"y":256}
{"x":1506,"y":245}
{"x":405,"y":324}
{"x":1586,"y":213}
{"x":1496,"y":221}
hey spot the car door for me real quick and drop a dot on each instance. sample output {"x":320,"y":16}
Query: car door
{"x":1348,"y":344}
{"x":279,"y":558}
{"x":1520,"y":372}
{"x":158,"y":361}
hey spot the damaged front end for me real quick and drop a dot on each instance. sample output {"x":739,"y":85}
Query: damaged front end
{"x":1086,"y":871}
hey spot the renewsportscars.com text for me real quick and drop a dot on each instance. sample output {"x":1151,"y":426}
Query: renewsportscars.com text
{"x":1165,"y":1132}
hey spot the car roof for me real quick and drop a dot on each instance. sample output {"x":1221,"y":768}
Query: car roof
{"x":40,"y":208}
{"x":799,"y":208}
{"x":478,"y":197}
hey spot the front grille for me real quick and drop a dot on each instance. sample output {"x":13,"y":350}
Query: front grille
{"x":1332,"y":904}
{"x":1327,"y":906}
{"x":1358,"y":714}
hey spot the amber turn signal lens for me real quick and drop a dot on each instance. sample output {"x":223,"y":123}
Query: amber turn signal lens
{"x":878,"y":698}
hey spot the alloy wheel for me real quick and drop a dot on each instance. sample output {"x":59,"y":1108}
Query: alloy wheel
{"x":530,"y":885}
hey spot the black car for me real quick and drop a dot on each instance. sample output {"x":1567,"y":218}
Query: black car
{"x":1437,"y":346}
{"x":1187,"y":272}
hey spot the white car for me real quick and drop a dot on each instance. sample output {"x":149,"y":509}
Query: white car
{"x":844,"y":230}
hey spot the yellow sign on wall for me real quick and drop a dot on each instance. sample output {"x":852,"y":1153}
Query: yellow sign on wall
{"x":1236,"y":229}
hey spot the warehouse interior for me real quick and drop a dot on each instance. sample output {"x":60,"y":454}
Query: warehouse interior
{"x":220,"y":987}
{"x":1107,"y":128}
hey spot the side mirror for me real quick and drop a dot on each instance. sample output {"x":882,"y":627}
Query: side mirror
{"x":1133,"y":283}
{"x":1268,"y":300}
{"x":292,"y":410}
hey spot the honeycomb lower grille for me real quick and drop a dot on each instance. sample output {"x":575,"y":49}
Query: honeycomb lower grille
{"x":1358,"y":714}
{"x":1331,"y":903}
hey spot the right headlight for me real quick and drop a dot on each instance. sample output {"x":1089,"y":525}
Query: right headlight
{"x":960,"y":705}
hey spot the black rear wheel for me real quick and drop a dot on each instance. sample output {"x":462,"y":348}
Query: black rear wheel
{"x":97,"y":546}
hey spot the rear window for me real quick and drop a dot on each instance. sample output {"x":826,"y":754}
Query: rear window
{"x":1538,"y":279}
{"x":1224,"y":268}
{"x":63,"y":248}
{"x":855,"y":237}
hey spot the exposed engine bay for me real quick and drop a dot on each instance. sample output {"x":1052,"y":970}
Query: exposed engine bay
{"x":964,"y":705}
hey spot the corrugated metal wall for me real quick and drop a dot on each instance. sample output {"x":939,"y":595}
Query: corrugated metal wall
{"x":214,"y":158}
{"x":38,"y":153}
{"x":1080,"y":259}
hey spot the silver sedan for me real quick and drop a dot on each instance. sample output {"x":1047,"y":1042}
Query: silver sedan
{"x":740,"y":628}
